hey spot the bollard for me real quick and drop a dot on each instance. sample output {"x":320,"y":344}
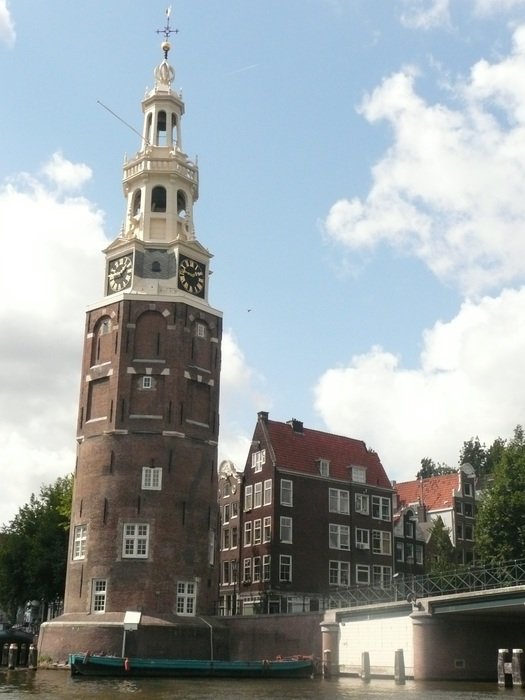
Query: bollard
{"x":518,"y":676}
{"x":504,"y":669}
{"x":399,"y":667}
{"x":22,"y":659}
{"x":5,"y":654}
{"x":13,"y":655}
{"x":365,"y":666}
{"x":32,"y":657}
{"x":327,"y":666}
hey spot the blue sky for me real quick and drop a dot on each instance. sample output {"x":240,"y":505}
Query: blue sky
{"x":361,"y":187}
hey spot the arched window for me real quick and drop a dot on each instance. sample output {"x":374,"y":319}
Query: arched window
{"x":158,"y":199}
{"x":137,"y":198}
{"x":181,"y":204}
{"x":174,"y":129}
{"x":162,"y":135}
{"x":155,"y":266}
{"x":147,"y":135}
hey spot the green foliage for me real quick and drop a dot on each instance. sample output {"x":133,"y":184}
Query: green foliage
{"x":430,"y":468}
{"x":481,"y":457}
{"x":500,"y":521}
{"x":440,"y":551}
{"x":33,"y":547}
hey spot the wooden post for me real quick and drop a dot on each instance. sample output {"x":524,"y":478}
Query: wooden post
{"x":518,"y":676}
{"x":399,"y":667}
{"x":365,"y":666}
{"x":504,"y":669}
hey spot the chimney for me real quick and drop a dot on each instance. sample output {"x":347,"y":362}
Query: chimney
{"x":296,"y":425}
{"x":263,"y":416}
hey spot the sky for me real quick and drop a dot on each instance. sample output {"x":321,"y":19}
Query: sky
{"x":362,"y":189}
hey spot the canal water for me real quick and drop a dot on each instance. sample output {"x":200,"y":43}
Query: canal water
{"x":58,"y":685}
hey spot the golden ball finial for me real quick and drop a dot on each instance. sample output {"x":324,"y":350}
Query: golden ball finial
{"x":165,"y":46}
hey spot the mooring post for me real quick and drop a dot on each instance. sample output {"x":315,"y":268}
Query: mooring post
{"x":13,"y":656}
{"x":365,"y":666}
{"x":504,"y":668}
{"x":5,"y":654}
{"x":22,"y":660}
{"x":399,"y":667}
{"x":518,"y":676}
{"x":33,"y":656}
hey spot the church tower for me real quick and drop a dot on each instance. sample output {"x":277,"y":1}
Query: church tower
{"x":144,"y":518}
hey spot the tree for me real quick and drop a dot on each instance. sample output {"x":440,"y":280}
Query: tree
{"x":481,"y":457}
{"x":500,"y":521}
{"x":33,"y":548}
{"x":440,"y":551}
{"x":430,"y":468}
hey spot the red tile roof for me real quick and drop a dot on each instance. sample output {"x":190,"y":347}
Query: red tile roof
{"x":298,"y":451}
{"x":436,"y":492}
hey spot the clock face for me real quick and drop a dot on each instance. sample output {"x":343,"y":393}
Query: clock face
{"x":119,"y":274}
{"x":191,"y":276}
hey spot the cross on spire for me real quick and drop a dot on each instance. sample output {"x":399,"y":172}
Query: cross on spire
{"x":167,"y":30}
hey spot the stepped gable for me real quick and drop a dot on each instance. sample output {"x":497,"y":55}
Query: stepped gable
{"x":298,"y":450}
{"x":436,"y":492}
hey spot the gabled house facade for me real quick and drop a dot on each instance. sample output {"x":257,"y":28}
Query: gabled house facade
{"x":229,"y":498}
{"x":452,"y":497}
{"x":316,"y":516}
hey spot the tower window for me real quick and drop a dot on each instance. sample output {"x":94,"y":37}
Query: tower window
{"x":186,"y":597}
{"x":79,"y":547}
{"x":98,"y":595}
{"x":135,"y":541}
{"x":137,"y":199}
{"x":155,"y":266}
{"x":152,"y":478}
{"x":161,"y":129}
{"x":158,"y":199}
{"x":181,"y":204}
{"x":200,"y":330}
{"x":147,"y":382}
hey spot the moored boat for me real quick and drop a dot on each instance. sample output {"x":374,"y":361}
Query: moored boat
{"x":118,"y":666}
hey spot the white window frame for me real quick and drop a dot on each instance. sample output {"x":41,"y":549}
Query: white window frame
{"x":147,"y":382}
{"x":226,"y":513}
{"x":286,"y":492}
{"x":248,"y":498}
{"x":338,"y":573}
{"x":339,"y":536}
{"x":285,"y":568}
{"x":400,"y":551}
{"x":362,"y":574}
{"x":381,"y":508}
{"x":135,"y":540}
{"x":266,"y":567}
{"x":257,"y":569}
{"x":247,"y":542}
{"x":267,"y":528}
{"x":362,"y":538}
{"x":225,"y":573}
{"x":151,"y":478}
{"x":362,"y":503}
{"x":339,"y":501}
{"x":247,"y":570}
{"x":257,"y":494}
{"x":226,"y":535}
{"x":258,"y":460}
{"x":99,"y":592}
{"x":200,"y":330}
{"x":468,"y":489}
{"x":324,"y":466}
{"x":381,"y":576}
{"x":257,"y":531}
{"x":80,"y":542}
{"x":267,"y":497}
{"x":286,"y":529}
{"x":358,"y":474}
{"x":186,"y":598}
{"x":382,"y":542}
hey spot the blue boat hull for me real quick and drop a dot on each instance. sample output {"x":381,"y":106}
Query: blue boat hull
{"x":115,"y":666}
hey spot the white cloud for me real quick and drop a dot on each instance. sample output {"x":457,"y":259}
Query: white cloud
{"x":67,"y":176}
{"x":450,"y":188}
{"x":465,"y":386}
{"x":487,"y":7}
{"x":425,"y":14}
{"x":52,"y":266}
{"x":7,"y":26}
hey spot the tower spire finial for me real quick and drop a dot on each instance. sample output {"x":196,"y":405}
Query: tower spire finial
{"x":167,"y":30}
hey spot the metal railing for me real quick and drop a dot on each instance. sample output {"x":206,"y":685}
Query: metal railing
{"x":402,"y":587}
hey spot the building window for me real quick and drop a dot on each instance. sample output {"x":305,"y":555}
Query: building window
{"x":359,"y":475}
{"x":381,"y":576}
{"x":226,"y":538}
{"x":459,"y":507}
{"x":257,"y":495}
{"x":227,"y":488}
{"x":200,"y":330}
{"x":152,"y":478}
{"x":362,"y":575}
{"x":459,"y":531}
{"x":381,"y":542}
{"x":235,"y":509}
{"x":225,"y":572}
{"x":226,"y":513}
{"x":285,"y":567}
{"x":234,"y":542}
{"x":338,"y":501}
{"x":361,"y":503}
{"x":400,"y":551}
{"x":257,"y":531}
{"x":266,"y":567}
{"x":267,"y":492}
{"x":80,"y":541}
{"x":247,"y":570}
{"x":258,"y":460}
{"x":339,"y":573}
{"x":419,"y":554}
{"x":362,"y":538}
{"x":339,"y":536}
{"x":286,"y":492}
{"x":247,"y":533}
{"x":256,"y":569}
{"x":135,"y":541}
{"x":410,"y":529}
{"x":469,"y":532}
{"x":248,"y":498}
{"x":467,"y":489}
{"x":267,"y":529}
{"x":409,"y":552}
{"x":468,"y":510}
{"x":186,"y":597}
{"x":324,"y":467}
{"x":286,"y":530}
{"x":147,"y":382}
{"x":381,"y":508}
{"x":99,"y":591}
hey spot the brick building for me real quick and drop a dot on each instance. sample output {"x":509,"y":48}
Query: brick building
{"x":315,"y":516}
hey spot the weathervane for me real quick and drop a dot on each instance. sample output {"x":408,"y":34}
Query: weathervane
{"x":167,"y":31}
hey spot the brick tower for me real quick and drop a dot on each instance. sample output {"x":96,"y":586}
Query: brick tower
{"x":143,"y":522}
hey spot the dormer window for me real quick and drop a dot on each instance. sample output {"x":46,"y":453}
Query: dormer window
{"x":324,"y":467}
{"x":258,"y":459}
{"x":359,"y":474}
